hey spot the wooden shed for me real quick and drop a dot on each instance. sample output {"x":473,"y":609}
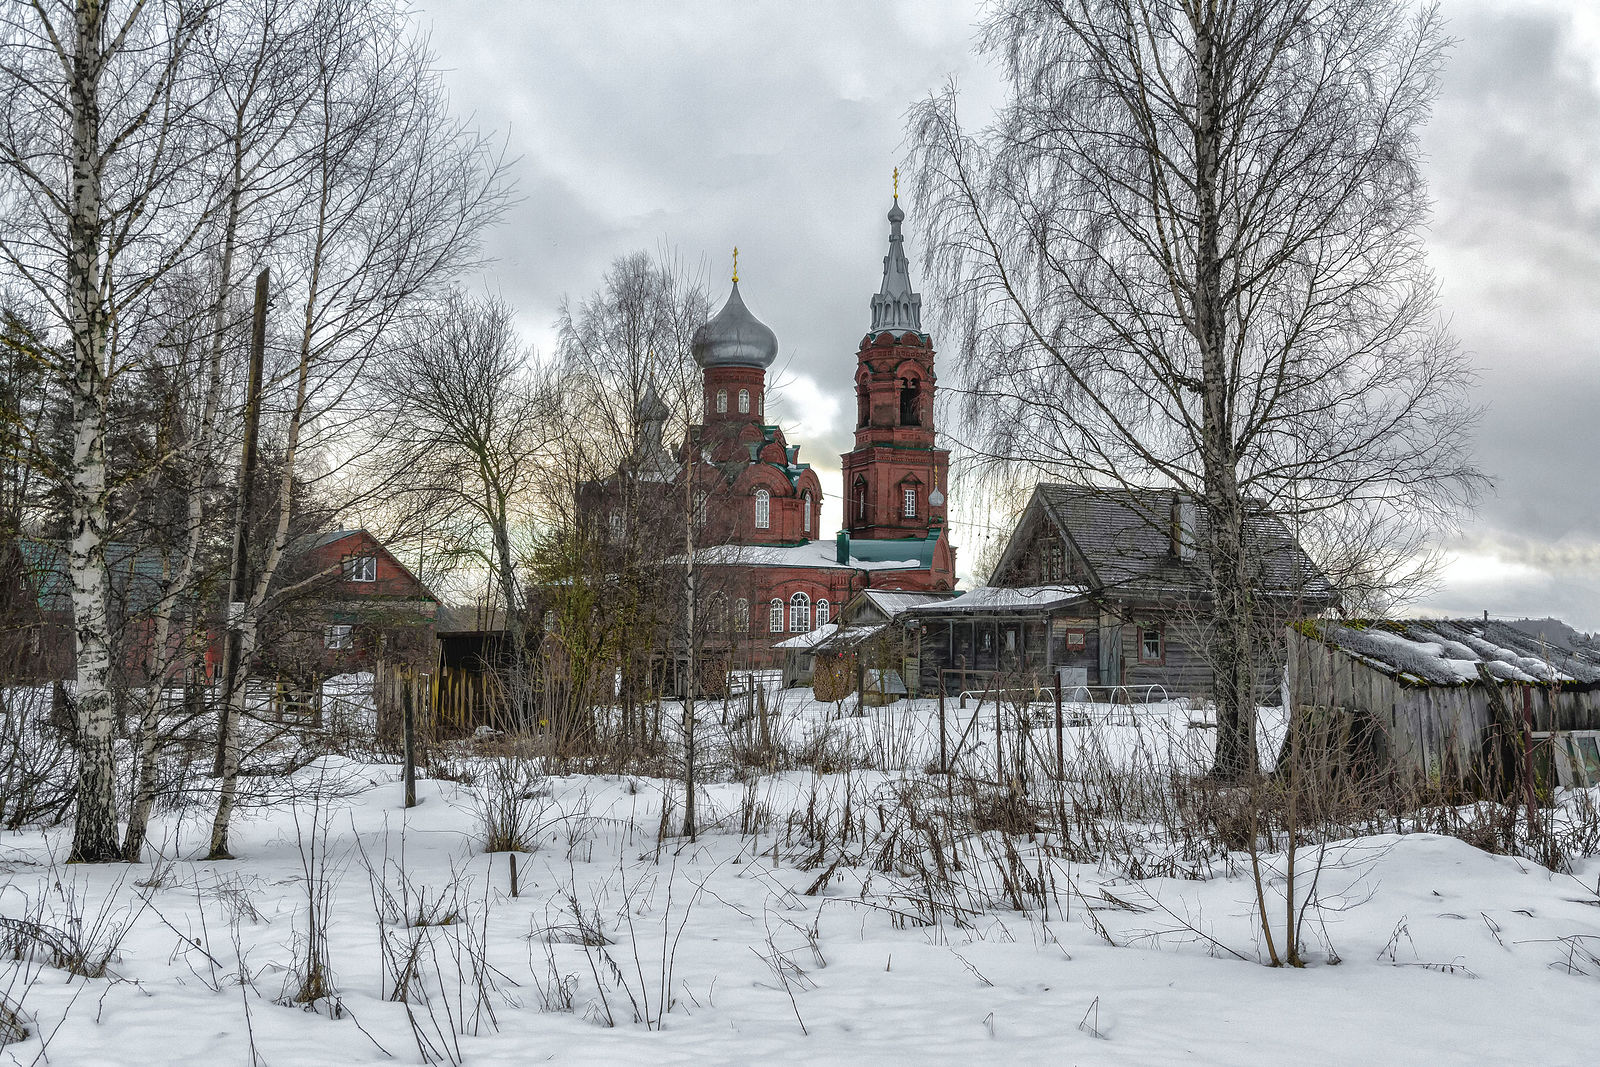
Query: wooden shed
{"x":1448,"y":698}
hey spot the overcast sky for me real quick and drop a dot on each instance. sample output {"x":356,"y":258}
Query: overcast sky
{"x":698,"y":126}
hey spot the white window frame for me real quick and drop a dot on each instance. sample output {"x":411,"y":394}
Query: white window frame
{"x":338,"y":637}
{"x":763,"y":509}
{"x":722,"y":401}
{"x":799,"y":613}
{"x":775,"y":616}
{"x":824,"y":612}
{"x":615,"y":525}
{"x":361,"y":568}
{"x":805,"y":506}
{"x":908,"y":501}
{"x":744,"y":401}
{"x":741,"y":615}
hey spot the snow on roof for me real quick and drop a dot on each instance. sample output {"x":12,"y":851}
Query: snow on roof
{"x":1449,"y":651}
{"x":893,"y":602}
{"x":811,"y":554}
{"x":808,"y":641}
{"x":988,"y":598}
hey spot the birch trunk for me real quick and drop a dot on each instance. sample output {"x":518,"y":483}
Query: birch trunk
{"x":94,"y":838}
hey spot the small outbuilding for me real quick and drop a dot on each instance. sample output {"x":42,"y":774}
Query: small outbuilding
{"x":1451,"y":699}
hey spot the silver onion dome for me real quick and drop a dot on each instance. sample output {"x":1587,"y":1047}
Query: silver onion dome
{"x":735,"y":338}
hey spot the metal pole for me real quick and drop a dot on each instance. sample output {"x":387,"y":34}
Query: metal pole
{"x":238,"y":582}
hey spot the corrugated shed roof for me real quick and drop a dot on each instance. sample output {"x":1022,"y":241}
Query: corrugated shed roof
{"x":893,"y":602}
{"x":1010,"y":600}
{"x":1125,"y":536}
{"x":1447,"y":652}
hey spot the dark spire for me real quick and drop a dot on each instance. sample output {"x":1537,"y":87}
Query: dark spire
{"x":896,"y":307}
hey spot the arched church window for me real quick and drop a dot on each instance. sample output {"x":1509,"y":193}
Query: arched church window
{"x":861,"y":498}
{"x":744,"y":401}
{"x":805,"y":509}
{"x":862,"y":405}
{"x":763,"y":509}
{"x":910,"y":402}
{"x":824,"y":612}
{"x":718,"y":612}
{"x":775,"y":616}
{"x":722,"y":401}
{"x":799,"y":613}
{"x":741,"y":615}
{"x":700,"y":509}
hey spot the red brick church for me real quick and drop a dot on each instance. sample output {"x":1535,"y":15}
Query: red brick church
{"x":761,"y":509}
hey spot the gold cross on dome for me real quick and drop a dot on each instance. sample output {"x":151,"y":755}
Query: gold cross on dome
{"x":897,"y":183}
{"x":736,"y":263}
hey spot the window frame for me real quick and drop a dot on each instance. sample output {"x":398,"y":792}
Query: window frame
{"x":1160,"y":631}
{"x":775,"y":617}
{"x":722,"y":401}
{"x":744,"y":401}
{"x":339,"y":637}
{"x":908,"y":501}
{"x":367,"y":563}
{"x":823,"y":612}
{"x":763,"y":501}
{"x":799,"y":613}
{"x":1570,"y":772}
{"x":805,"y":511}
{"x":741,"y":616}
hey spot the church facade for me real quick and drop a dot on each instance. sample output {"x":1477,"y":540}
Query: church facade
{"x":765,"y":567}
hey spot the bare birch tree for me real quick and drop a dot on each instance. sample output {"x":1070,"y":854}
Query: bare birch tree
{"x":1188,"y":251}
{"x":103,"y":193}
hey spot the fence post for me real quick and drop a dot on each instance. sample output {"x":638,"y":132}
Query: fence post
{"x":1061,"y":757}
{"x":944,"y":759}
{"x":408,"y":726}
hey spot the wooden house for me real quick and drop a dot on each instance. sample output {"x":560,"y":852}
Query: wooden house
{"x":863,"y":646}
{"x":1441,"y":698}
{"x":36,"y":628}
{"x":1107,"y":588}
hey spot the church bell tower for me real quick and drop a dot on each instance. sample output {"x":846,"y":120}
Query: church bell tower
{"x":895,"y":479}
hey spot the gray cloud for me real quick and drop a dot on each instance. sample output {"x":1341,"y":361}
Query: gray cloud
{"x":705,"y":124}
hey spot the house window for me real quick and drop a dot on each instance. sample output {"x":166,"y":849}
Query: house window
{"x":338,"y":637}
{"x":1569,"y":758}
{"x":824,"y":612}
{"x":741,"y":615}
{"x":775,"y":616}
{"x":1055,"y":562}
{"x":763,"y":509}
{"x":1077,"y":638}
{"x":1152,"y":645}
{"x":744,"y":401}
{"x":805,"y":509}
{"x":799,"y":613}
{"x":361,"y":568}
{"x":700,"y":508}
{"x":908,"y":501}
{"x":615,"y":522}
{"x":722,"y":401}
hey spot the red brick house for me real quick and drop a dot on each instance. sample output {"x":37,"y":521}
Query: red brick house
{"x":365,"y":608}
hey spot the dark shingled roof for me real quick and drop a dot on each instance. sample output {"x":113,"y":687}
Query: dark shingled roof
{"x":1125,"y":537}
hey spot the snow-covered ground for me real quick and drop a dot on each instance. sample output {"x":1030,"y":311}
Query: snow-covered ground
{"x":623,"y":946}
